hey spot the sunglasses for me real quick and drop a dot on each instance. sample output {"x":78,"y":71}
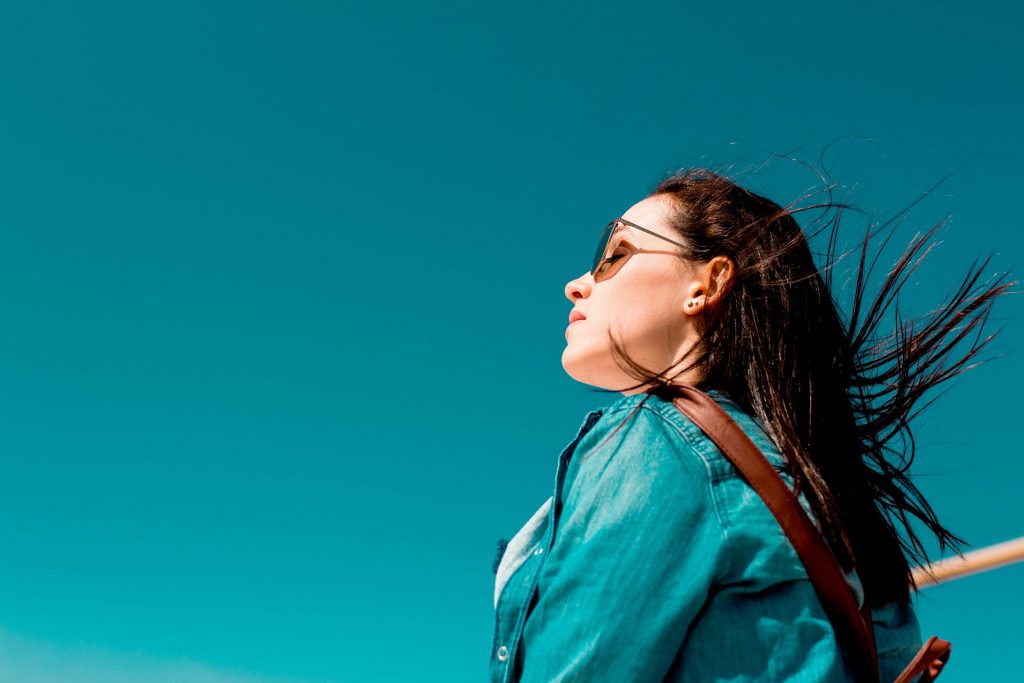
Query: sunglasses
{"x":605,"y":265}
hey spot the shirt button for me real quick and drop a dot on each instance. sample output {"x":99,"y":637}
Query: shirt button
{"x":502,"y":653}
{"x":539,"y":550}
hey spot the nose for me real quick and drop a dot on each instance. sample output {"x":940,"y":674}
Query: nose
{"x":579,"y":288}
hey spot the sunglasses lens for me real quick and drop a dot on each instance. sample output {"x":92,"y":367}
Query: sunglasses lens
{"x":602,"y":245}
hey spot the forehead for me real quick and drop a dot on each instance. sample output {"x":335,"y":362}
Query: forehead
{"x":650,"y":213}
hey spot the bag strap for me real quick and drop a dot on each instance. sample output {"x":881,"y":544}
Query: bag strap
{"x":929,"y":661}
{"x":853,"y":627}
{"x":856,"y":639}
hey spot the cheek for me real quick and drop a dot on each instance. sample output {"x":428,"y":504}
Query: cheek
{"x":644,"y":321}
{"x":649,"y":321}
{"x":648,"y":306}
{"x":642,"y":314}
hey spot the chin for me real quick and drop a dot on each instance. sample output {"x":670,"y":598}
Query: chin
{"x":573,"y":367}
{"x":568,"y":365}
{"x":582,"y":371}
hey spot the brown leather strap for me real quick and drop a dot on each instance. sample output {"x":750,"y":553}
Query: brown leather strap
{"x":930,"y":660}
{"x":854,"y":633}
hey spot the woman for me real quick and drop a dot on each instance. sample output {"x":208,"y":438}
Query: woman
{"x":654,"y":560}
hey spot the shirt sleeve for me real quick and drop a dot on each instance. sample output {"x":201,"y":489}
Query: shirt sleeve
{"x":637,"y":548}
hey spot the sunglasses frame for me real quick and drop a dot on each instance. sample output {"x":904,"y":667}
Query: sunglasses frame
{"x":606,"y":238}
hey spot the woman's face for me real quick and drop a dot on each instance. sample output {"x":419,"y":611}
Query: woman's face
{"x":644,"y":303}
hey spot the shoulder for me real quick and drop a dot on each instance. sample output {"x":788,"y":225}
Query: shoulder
{"x":643,"y":433}
{"x":643,"y":453}
{"x":637,"y":461}
{"x":760,"y":554}
{"x":651,"y":425}
{"x":639,"y":474}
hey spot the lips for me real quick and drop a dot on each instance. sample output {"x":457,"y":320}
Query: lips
{"x":575,"y":315}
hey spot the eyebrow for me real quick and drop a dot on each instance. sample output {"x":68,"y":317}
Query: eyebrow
{"x":627,"y":230}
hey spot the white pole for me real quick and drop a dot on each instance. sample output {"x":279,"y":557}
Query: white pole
{"x":980,"y":560}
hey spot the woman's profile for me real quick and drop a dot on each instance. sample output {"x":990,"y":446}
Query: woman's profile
{"x":654,"y":560}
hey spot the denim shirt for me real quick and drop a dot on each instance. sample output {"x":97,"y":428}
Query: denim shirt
{"x":655,"y":561}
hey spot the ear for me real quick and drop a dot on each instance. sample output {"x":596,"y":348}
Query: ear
{"x":712,"y":280}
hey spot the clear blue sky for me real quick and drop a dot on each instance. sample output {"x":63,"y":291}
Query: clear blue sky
{"x":283,"y":299}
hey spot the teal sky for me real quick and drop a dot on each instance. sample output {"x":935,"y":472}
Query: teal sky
{"x":283,"y":299}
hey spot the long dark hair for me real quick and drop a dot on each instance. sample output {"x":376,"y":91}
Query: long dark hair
{"x":834,"y":394}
